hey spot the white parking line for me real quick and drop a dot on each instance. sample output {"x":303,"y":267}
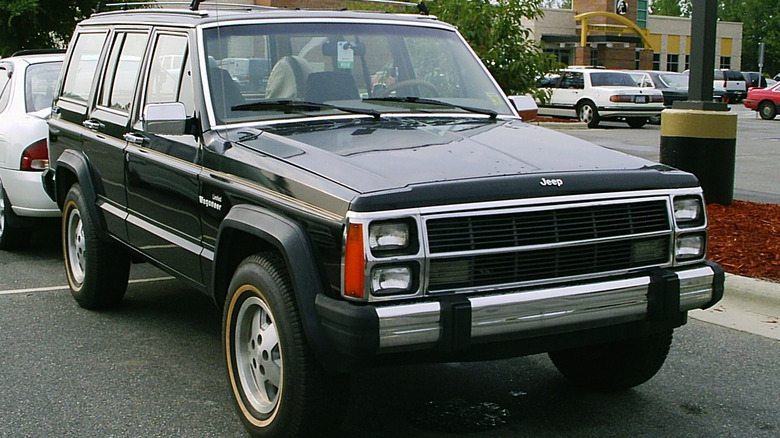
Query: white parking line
{"x":56,"y":288}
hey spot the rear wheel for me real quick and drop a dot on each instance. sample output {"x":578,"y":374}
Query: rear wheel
{"x":588,"y":114}
{"x":278,"y":387}
{"x":767,"y":109}
{"x":97,"y":270}
{"x":12,"y":236}
{"x":616,"y":365}
{"x":636,"y":122}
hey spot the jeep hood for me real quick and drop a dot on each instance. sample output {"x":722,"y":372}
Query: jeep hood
{"x":375,"y":157}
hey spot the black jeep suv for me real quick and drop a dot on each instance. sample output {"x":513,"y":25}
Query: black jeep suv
{"x":353,"y":189}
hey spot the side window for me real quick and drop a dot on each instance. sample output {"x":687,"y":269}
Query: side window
{"x":170,"y":73}
{"x":83,"y":65}
{"x":122,"y":71}
{"x":572,"y":80}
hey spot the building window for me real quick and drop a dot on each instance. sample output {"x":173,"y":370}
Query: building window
{"x":725,"y":62}
{"x":641,"y":13}
{"x":594,"y":56}
{"x":687,"y":62}
{"x":656,"y":61}
{"x":672,"y":62}
{"x":561,"y":55}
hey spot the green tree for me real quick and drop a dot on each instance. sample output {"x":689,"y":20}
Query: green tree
{"x":760,"y":23}
{"x":496,"y":33}
{"x":669,"y":8}
{"x":38,"y":24}
{"x":557,"y":4}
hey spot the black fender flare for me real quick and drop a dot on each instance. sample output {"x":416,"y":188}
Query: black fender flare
{"x":291,"y":241}
{"x":77,"y":165}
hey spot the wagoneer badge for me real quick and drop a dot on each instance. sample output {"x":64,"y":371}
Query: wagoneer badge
{"x":551,"y":182}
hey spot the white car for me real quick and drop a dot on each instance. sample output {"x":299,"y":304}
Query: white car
{"x":27,"y":81}
{"x":593,"y":95}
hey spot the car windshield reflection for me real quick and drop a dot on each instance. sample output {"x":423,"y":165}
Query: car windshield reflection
{"x":345,"y":66}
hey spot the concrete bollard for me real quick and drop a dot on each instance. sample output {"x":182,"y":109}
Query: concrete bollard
{"x":703,"y":143}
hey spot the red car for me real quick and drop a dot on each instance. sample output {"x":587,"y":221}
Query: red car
{"x":764,"y":100}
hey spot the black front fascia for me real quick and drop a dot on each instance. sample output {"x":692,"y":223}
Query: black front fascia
{"x":525,"y":187}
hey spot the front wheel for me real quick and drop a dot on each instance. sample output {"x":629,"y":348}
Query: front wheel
{"x":768,"y":110}
{"x":97,"y":270}
{"x":616,"y":365}
{"x":588,"y":114}
{"x":278,"y":388}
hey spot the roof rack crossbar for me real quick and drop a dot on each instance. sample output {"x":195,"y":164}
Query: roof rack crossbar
{"x":193,"y":5}
{"x":421,"y":6}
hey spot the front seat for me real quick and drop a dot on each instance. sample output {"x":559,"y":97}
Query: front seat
{"x":325,"y":86}
{"x":224,"y":92}
{"x":288,"y":78}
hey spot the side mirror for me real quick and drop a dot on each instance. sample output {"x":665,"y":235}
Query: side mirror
{"x":165,"y":118}
{"x":525,"y":105}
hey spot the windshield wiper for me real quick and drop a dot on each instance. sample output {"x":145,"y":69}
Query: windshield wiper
{"x":425,"y":101}
{"x":289,"y":105}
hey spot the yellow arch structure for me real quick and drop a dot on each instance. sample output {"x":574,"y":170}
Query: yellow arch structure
{"x":629,"y":24}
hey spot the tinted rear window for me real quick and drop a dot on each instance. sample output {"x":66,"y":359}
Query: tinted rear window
{"x":734,"y":75}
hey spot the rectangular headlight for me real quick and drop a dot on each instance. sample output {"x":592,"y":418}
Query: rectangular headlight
{"x":389,"y":280}
{"x":688,"y":211}
{"x":690,"y":246}
{"x":391,"y":237}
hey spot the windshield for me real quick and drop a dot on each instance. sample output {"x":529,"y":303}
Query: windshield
{"x":675,"y":80}
{"x":254,"y":67}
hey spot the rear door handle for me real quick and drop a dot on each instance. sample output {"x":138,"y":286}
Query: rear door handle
{"x":92,"y":124}
{"x":135,"y":138}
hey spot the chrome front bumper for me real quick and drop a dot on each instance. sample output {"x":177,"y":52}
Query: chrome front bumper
{"x":535,"y":312}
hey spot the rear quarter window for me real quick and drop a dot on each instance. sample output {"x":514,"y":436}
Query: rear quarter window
{"x":83,"y":65}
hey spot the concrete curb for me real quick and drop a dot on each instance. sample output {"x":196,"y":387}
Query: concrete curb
{"x":559,"y":126}
{"x":748,"y":305}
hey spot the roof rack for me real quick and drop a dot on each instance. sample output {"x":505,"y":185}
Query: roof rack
{"x":421,"y":6}
{"x":27,"y":52}
{"x":193,"y":5}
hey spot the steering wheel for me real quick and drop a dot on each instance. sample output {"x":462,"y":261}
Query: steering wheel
{"x":410,"y":83}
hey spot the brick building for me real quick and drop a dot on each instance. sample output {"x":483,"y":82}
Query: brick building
{"x":621,"y":34}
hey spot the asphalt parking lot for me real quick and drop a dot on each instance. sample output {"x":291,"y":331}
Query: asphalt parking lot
{"x":153,"y":367}
{"x":757,"y":161}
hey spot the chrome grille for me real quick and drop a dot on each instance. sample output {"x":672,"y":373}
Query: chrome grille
{"x":507,"y":248}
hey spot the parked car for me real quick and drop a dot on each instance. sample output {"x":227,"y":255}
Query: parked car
{"x":593,"y":95}
{"x":27,"y":81}
{"x":674,"y":86}
{"x":731,"y":83}
{"x":378,"y":201}
{"x":754,"y":79}
{"x":764,"y":100}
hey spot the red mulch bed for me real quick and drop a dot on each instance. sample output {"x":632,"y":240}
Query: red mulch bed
{"x":744,"y":238}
